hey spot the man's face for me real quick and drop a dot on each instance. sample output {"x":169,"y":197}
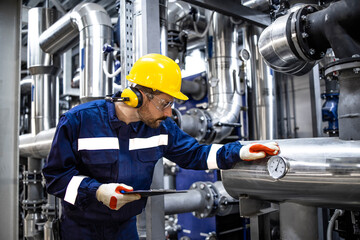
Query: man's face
{"x":155,"y":110}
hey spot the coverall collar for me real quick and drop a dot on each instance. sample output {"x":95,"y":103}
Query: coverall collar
{"x":115,"y":122}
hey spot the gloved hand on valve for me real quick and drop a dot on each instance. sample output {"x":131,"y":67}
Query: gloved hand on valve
{"x":256,"y":151}
{"x":111,"y":196}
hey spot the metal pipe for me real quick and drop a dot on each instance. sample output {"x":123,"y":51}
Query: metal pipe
{"x":224,"y":89}
{"x":163,"y":7}
{"x":322,"y":172}
{"x":190,"y":201}
{"x":95,"y":28}
{"x":262,"y":111}
{"x":36,"y":146}
{"x":10,"y":22}
{"x":330,"y":227}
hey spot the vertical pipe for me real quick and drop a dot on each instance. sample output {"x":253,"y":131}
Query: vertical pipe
{"x":224,"y":67}
{"x":262,"y":115}
{"x":163,"y":27}
{"x":314,"y":81}
{"x":10,"y":25}
{"x":44,"y":69}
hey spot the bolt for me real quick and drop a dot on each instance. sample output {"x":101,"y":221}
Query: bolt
{"x":208,"y":195}
{"x":335,"y":73}
{"x":202,"y":118}
{"x":322,"y":54}
{"x":194,"y":185}
{"x":303,"y":17}
{"x":202,"y":215}
{"x":202,"y":186}
{"x":356,"y":70}
{"x":310,"y":9}
{"x":311,"y":51}
{"x":201,"y":130}
{"x":304,"y":35}
{"x":208,"y":207}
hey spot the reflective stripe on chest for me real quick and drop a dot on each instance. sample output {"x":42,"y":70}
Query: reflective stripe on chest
{"x":98,"y":143}
{"x":143,"y":143}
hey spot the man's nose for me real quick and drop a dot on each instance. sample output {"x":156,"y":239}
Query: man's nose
{"x":168,"y":112}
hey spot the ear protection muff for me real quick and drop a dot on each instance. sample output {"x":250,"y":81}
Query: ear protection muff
{"x":130,"y":96}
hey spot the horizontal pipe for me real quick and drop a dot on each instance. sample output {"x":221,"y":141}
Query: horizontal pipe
{"x":36,"y":146}
{"x":321,"y":172}
{"x":190,"y":201}
{"x":60,"y":36}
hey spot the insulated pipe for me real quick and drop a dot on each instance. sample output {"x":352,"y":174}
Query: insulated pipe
{"x":261,"y":102}
{"x":95,"y":28}
{"x":321,"y":172}
{"x":36,"y":146}
{"x":163,"y":7}
{"x":293,"y":43}
{"x":224,"y":87}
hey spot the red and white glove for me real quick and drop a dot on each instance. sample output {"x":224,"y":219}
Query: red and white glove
{"x":257,"y":151}
{"x":111,"y":196}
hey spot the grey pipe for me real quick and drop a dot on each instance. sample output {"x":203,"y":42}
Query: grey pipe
{"x":93,"y":22}
{"x":330,"y":227}
{"x":36,"y":146}
{"x":190,"y":201}
{"x":322,"y":172}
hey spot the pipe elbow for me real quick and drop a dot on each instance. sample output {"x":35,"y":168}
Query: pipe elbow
{"x":89,"y":14}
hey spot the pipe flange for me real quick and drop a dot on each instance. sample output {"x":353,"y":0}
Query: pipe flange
{"x":202,"y":123}
{"x":211,"y":195}
{"x":334,"y":68}
{"x":299,"y":28}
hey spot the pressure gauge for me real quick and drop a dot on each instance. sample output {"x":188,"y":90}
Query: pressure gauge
{"x":277,"y":167}
{"x":244,"y":54}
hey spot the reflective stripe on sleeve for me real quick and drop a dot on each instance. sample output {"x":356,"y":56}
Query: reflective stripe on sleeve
{"x":211,"y":160}
{"x":98,"y":143}
{"x":142,"y":143}
{"x":72,"y":189}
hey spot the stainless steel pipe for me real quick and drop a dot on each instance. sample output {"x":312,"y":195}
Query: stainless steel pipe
{"x":36,"y":146}
{"x":322,"y":172}
{"x":94,"y":25}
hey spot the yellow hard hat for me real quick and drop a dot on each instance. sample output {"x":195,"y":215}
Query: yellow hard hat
{"x":158,"y":72}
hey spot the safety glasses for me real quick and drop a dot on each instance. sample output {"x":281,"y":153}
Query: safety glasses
{"x":159,"y":103}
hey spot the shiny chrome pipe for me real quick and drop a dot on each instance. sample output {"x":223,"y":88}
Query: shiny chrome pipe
{"x":321,"y":172}
{"x":224,"y":89}
{"x":95,"y":28}
{"x":261,"y":108}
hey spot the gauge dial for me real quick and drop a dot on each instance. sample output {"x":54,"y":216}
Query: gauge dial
{"x":244,"y":54}
{"x":277,"y":167}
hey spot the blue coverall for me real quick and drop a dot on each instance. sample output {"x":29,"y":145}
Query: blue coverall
{"x":92,"y":146}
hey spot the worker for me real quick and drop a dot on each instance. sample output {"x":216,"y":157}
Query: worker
{"x":104,"y":148}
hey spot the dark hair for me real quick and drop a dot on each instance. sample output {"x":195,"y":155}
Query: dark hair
{"x":149,"y":92}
